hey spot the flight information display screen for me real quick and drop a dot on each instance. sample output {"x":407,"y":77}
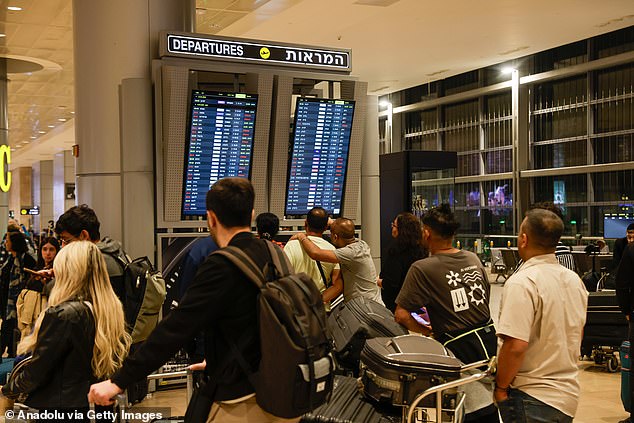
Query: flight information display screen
{"x":319,"y":158}
{"x":220,"y":144}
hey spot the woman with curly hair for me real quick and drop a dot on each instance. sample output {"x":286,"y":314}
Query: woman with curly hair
{"x":406,"y":248}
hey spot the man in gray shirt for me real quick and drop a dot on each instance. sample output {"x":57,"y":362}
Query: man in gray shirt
{"x":353,"y":255}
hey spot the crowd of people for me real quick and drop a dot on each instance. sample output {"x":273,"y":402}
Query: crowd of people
{"x":62,"y":306}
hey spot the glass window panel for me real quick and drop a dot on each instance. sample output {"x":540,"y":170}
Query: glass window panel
{"x":467,"y":195}
{"x":497,"y":221}
{"x":613,"y":186}
{"x":469,"y":221}
{"x":616,"y":42}
{"x":613,"y":149}
{"x":498,"y":194}
{"x":498,"y":161}
{"x":613,"y":116}
{"x":560,"y":124}
{"x":561,"y":189}
{"x":564,"y":154}
{"x":468,"y":165}
{"x":498,"y":134}
{"x":576,"y":221}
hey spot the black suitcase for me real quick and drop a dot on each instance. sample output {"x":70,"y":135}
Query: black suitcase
{"x":347,"y":405}
{"x":605,"y":323}
{"x":351,"y":323}
{"x":396,"y":370}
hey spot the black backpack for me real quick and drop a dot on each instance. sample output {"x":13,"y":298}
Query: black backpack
{"x":296,"y":370}
{"x":144,"y":289}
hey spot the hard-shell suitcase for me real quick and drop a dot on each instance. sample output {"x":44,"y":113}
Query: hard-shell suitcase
{"x":347,"y":405}
{"x":351,"y":323}
{"x":605,"y":323}
{"x":396,"y":370}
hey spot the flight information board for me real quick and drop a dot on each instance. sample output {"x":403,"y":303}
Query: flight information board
{"x":220,"y":144}
{"x":319,"y":158}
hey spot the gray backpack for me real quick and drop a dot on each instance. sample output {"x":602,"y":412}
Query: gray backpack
{"x":296,"y":370}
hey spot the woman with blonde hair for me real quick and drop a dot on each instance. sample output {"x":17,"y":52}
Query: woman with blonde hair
{"x":78,"y":340}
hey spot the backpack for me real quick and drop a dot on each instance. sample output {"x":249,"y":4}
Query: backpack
{"x":296,"y":370}
{"x":145,"y":292}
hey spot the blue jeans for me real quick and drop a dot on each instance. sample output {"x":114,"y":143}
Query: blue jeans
{"x":522,"y":408}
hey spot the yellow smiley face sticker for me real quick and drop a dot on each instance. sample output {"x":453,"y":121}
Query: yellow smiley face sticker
{"x":265,"y":53}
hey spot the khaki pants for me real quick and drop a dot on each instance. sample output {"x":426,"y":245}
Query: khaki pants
{"x":247,"y":411}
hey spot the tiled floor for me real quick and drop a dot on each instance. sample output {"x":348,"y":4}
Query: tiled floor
{"x":600,"y":390}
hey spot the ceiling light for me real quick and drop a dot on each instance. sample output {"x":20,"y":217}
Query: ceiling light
{"x":508,"y":70}
{"x":14,"y":8}
{"x":33,"y":137}
{"x":72,"y":113}
{"x":51,"y":126}
{"x":42,"y":132}
{"x":62,"y":119}
{"x":384,"y":103}
{"x":3,"y":35}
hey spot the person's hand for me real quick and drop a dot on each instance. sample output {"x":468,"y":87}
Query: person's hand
{"x":103,"y":393}
{"x":198,"y":366}
{"x":46,"y":274}
{"x":379,"y":282}
{"x":500,"y":395}
{"x":627,"y":317}
{"x":330,"y":222}
{"x":296,"y":236}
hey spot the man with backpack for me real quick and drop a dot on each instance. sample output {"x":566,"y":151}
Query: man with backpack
{"x":140,"y":289}
{"x":225,"y":302}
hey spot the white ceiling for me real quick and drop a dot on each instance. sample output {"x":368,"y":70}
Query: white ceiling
{"x":395,"y":44}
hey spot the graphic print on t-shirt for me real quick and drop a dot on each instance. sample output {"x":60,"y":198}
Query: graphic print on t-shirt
{"x":459,"y":299}
{"x":471,"y":278}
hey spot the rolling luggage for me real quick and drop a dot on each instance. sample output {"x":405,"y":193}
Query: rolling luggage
{"x":351,"y":323}
{"x":606,"y":328}
{"x":347,"y":405}
{"x":396,"y":370}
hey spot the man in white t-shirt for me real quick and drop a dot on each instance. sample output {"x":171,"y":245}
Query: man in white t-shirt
{"x":542,"y":315}
{"x":353,"y":255}
{"x":315,"y":224}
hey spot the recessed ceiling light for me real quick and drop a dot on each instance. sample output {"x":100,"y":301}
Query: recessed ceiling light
{"x":62,"y":119}
{"x":33,"y":137}
{"x":14,"y":8}
{"x":42,"y":132}
{"x":3,"y":35}
{"x":72,"y":113}
{"x":51,"y":126}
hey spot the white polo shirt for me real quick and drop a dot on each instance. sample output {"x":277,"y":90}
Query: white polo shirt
{"x":544,"y":304}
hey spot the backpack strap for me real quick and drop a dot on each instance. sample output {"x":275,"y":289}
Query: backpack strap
{"x":243,"y":262}
{"x":280,"y":260}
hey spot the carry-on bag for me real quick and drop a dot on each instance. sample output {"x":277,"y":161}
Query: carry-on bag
{"x":351,"y":323}
{"x":396,"y":370}
{"x":347,"y":404}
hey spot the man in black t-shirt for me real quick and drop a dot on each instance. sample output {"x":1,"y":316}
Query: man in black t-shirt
{"x":454,"y":288}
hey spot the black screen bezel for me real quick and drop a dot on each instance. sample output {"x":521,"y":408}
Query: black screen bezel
{"x":189,"y":217}
{"x":292,"y":149}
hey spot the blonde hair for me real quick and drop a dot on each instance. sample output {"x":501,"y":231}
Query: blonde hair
{"x":80,"y":274}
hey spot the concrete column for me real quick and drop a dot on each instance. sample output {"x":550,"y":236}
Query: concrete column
{"x":116,"y":40}
{"x":63,"y":175}
{"x":370,"y":191}
{"x":20,"y":194}
{"x":4,"y":140}
{"x":42,"y":185}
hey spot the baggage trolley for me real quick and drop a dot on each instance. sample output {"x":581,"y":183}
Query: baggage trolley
{"x":443,"y":414}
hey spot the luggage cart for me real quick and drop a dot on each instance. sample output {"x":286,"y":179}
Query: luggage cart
{"x":443,"y":414}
